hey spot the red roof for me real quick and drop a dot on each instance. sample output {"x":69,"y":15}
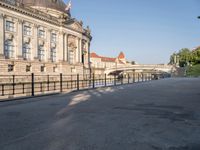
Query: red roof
{"x":94,"y":55}
{"x":121,"y":55}
{"x":105,"y":59}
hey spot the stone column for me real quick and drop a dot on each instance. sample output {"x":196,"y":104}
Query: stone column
{"x":35,"y":42}
{"x":77,"y":51}
{"x":65,"y":47}
{"x":87,"y":54}
{"x":80,"y":50}
{"x":2,"y":35}
{"x":19,"y":52}
{"x":66,"y":55}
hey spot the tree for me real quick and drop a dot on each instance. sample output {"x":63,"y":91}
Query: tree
{"x":185,"y":57}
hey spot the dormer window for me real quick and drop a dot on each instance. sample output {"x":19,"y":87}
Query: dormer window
{"x":10,"y":26}
{"x":27,"y":30}
{"x":41,"y":33}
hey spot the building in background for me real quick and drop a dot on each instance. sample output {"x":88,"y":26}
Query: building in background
{"x":40,"y":36}
{"x":100,"y":63}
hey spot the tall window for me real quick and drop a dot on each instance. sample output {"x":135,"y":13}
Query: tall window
{"x":41,"y":53}
{"x":27,"y":30}
{"x":10,"y":26}
{"x":53,"y":54}
{"x":53,"y":37}
{"x":9,"y":49}
{"x":41,"y":33}
{"x":26,"y":51}
{"x":71,"y":57}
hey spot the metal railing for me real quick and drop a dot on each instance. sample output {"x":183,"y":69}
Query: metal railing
{"x":31,"y":85}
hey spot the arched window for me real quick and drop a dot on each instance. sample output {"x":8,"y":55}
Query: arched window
{"x":26,"y":51}
{"x":9,"y":49}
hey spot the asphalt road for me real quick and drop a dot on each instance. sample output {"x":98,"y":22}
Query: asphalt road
{"x":156,"y":115}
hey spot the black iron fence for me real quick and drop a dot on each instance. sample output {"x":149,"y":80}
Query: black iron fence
{"x":31,"y":85}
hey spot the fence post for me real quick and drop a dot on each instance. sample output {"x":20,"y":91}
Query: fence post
{"x":122,"y":78}
{"x":48,"y":82}
{"x":115,"y":79}
{"x":93,"y":78}
{"x":78,"y":82}
{"x":61,"y":82}
{"x":128,"y":78}
{"x":13,"y":84}
{"x":105,"y":80}
{"x":2,"y":89}
{"x":142,"y":77}
{"x":32,"y":85}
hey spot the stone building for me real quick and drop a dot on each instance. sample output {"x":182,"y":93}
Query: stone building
{"x":40,"y":36}
{"x":100,"y":63}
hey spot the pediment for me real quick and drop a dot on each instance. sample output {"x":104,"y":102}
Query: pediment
{"x":75,"y":26}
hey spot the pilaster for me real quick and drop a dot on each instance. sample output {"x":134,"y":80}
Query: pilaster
{"x":2,"y":35}
{"x":77,"y":50}
{"x":35,"y":42}
{"x":20,"y":39}
{"x":48,"y":45}
{"x":80,"y":50}
{"x":65,"y":48}
{"x":61,"y":46}
{"x":66,"y":54}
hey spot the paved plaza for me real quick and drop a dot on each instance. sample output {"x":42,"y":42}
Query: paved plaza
{"x":155,"y":115}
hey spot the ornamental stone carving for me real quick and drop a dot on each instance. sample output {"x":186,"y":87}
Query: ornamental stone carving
{"x":41,"y":43}
{"x":27,"y":40}
{"x":9,"y":36}
{"x":53,"y":45}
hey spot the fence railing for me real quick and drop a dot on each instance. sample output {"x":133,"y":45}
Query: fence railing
{"x":31,"y":85}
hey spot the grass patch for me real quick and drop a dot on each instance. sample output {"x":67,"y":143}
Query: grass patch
{"x":194,"y":71}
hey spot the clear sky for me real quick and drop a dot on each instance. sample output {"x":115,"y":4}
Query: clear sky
{"x":147,"y":31}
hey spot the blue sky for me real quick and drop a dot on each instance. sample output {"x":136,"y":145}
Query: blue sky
{"x":147,"y":31}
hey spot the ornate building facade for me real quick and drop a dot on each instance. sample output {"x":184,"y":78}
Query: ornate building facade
{"x":40,"y":36}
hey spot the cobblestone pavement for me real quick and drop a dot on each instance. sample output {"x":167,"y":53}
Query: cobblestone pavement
{"x":156,"y":115}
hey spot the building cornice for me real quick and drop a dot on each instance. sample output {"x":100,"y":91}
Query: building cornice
{"x":20,"y":8}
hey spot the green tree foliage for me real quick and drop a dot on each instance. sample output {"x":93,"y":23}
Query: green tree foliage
{"x":186,"y":56}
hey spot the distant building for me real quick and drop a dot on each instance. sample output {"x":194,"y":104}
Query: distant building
{"x":100,"y":63}
{"x":40,"y":36}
